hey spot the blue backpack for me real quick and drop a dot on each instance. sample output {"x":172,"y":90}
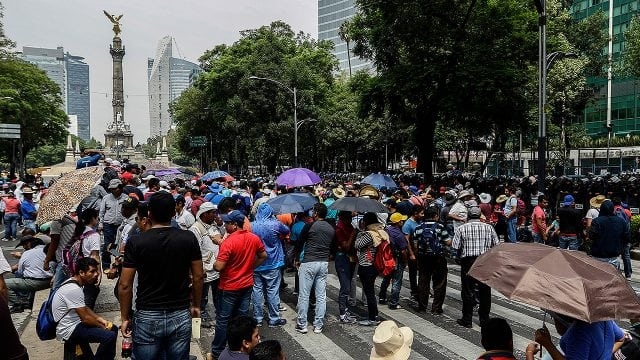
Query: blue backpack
{"x":45,"y":324}
{"x":427,"y":240}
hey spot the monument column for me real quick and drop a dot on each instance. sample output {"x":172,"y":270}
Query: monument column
{"x":117,"y":53}
{"x":118,"y":136}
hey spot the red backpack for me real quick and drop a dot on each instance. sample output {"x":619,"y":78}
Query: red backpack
{"x":384,"y":261}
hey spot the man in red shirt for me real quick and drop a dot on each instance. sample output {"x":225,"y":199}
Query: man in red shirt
{"x":539,"y":221}
{"x":239,"y":255}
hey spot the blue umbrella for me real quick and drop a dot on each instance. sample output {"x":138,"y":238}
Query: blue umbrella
{"x":380,"y":180}
{"x":292,"y":203}
{"x":215,"y":174}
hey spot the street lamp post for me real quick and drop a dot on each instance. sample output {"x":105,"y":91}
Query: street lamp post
{"x":296,"y":123}
{"x":542,"y":84}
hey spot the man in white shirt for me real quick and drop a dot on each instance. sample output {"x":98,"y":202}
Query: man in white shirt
{"x":209,"y":239}
{"x":32,"y":275}
{"x":78,"y":325}
{"x":183,"y":216}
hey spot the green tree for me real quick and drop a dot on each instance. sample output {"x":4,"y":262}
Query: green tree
{"x":251,"y":121}
{"x":463,"y":63}
{"x":631,"y":55}
{"x":31,"y":99}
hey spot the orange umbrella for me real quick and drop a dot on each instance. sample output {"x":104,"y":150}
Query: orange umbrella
{"x":564,"y":281}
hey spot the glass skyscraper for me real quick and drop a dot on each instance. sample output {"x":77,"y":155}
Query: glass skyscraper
{"x":625,"y":115}
{"x":331,"y":15}
{"x":71,"y":74}
{"x":168,"y":77}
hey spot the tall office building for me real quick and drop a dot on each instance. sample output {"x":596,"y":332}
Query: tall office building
{"x":168,"y":77}
{"x":331,"y":15}
{"x":625,"y":114}
{"x":71,"y":74}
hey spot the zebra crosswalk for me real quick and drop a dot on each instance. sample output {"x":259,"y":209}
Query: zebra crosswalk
{"x":435,"y":336}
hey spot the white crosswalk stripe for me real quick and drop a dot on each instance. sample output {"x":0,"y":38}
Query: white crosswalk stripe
{"x":435,"y":337}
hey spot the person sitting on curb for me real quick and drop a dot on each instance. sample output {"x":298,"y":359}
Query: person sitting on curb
{"x":242,"y":338}
{"x":32,"y":275}
{"x":78,"y":325}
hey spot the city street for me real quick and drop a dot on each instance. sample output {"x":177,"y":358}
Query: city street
{"x":435,"y":337}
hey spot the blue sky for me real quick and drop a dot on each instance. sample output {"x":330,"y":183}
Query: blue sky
{"x":82,"y":29}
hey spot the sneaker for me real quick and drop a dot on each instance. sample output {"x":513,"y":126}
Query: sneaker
{"x":347,"y":318}
{"x":278,"y":323}
{"x":318,"y":329}
{"x":368,"y":322}
{"x":281,"y":308}
{"x":382,"y":301}
{"x":436,"y":312}
{"x":301,"y":329}
{"x":295,"y":292}
{"x":395,"y":307}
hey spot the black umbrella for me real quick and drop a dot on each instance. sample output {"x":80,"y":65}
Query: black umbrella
{"x":292,"y":203}
{"x":358,"y":204}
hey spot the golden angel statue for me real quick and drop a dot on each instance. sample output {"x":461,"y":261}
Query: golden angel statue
{"x":115,"y":20}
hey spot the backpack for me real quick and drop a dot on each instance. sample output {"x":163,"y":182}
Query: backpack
{"x":73,"y":252}
{"x":384,"y":261}
{"x":45,"y":323}
{"x":619,"y":212}
{"x":521,"y":208}
{"x":427,"y":239}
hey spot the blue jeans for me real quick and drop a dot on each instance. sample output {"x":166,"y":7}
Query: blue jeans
{"x":396,"y":284}
{"x":161,"y":334}
{"x":84,"y":335}
{"x":511,"y":229}
{"x":30,"y":224}
{"x":109,"y":232}
{"x":537,"y":238}
{"x":267,"y":283}
{"x":626,"y":260}
{"x":569,"y":242}
{"x":59,"y":277}
{"x":312,"y":274}
{"x":231,"y":303}
{"x":344,"y":271}
{"x":11,"y":225}
{"x":613,"y":261}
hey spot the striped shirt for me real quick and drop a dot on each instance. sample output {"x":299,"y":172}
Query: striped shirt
{"x":474,"y":238}
{"x":366,"y":250}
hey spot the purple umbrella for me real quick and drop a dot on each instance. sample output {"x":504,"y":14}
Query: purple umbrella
{"x":298,"y":177}
{"x":164,"y":172}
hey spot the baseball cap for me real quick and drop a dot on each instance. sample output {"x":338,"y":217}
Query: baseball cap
{"x":114,"y":183}
{"x":130,"y":203}
{"x":474,"y":212}
{"x":207,"y":206}
{"x":396,"y":217}
{"x":568,"y":200}
{"x":235,"y":217}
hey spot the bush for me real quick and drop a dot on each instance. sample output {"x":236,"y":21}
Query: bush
{"x":635,"y":229}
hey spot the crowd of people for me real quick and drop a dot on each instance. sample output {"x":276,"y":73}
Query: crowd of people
{"x":218,"y":251}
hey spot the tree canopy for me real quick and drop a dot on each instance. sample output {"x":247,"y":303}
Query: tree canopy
{"x":251,"y":121}
{"x":29,"y":98}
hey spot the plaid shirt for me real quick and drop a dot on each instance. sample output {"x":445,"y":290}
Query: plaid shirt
{"x":474,"y":238}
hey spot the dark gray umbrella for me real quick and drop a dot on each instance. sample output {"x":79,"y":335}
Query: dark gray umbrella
{"x":358,"y":204}
{"x":292,"y":203}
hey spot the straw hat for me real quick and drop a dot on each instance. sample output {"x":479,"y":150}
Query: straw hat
{"x":502,"y":198}
{"x":369,"y":191}
{"x":596,"y":201}
{"x":391,"y":342}
{"x":338,"y":192}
